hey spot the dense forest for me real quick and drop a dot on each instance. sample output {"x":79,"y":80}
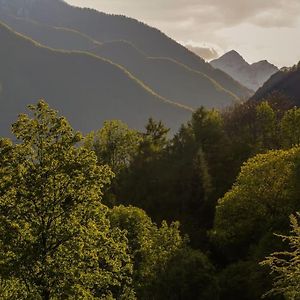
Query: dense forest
{"x":207,"y":213}
{"x":186,"y":189}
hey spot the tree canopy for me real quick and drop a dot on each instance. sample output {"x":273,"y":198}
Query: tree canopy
{"x":285,"y":265}
{"x":264,"y":193}
{"x":56,"y":241}
{"x":69,"y":230}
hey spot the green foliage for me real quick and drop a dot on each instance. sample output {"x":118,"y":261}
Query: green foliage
{"x":285,"y":265}
{"x":260,"y":200}
{"x":175,"y":179}
{"x":290,"y":128}
{"x":55,"y":238}
{"x":180,"y":179}
{"x":13,"y":289}
{"x":164,"y":267}
{"x":266,"y":126}
{"x":150,"y":246}
{"x":155,"y":139}
{"x":58,"y":240}
{"x":207,"y":127}
{"x":264,"y":194}
{"x":243,"y":280}
{"x":252,"y":128}
{"x":189,"y":275}
{"x":136,"y":184}
{"x":114,"y":145}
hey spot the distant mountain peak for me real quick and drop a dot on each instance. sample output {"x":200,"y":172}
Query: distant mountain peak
{"x":232,"y":55}
{"x":250,"y":75}
{"x":228,"y":61}
{"x":262,"y":63}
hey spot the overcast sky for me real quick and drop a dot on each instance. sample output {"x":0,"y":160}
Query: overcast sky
{"x":258,"y":29}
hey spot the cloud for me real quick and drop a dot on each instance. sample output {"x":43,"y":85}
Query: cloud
{"x":207,"y":53}
{"x":201,"y":20}
{"x":220,"y":23}
{"x":222,"y":12}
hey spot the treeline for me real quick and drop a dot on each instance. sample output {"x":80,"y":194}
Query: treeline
{"x":95,"y":217}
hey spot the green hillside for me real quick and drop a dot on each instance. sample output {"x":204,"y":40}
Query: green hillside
{"x":54,"y":37}
{"x":81,"y":86}
{"x":168,"y":77}
{"x":165,"y":76}
{"x":105,"y":28}
{"x":284,"y":82}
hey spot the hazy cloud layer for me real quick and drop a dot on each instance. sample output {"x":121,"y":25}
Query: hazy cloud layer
{"x":270,"y":13}
{"x":205,"y":52}
{"x":206,"y":21}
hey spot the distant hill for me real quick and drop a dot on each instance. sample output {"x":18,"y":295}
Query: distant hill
{"x":165,"y":76}
{"x":285,"y":82}
{"x":106,"y":28}
{"x":53,"y":37}
{"x":252,"y":76}
{"x":81,"y":86}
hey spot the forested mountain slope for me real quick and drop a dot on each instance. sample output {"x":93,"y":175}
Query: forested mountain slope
{"x":105,"y":28}
{"x":165,"y":76}
{"x":285,"y":82}
{"x":53,"y":37}
{"x":80,"y":85}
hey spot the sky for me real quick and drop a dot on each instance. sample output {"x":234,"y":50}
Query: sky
{"x":257,"y":29}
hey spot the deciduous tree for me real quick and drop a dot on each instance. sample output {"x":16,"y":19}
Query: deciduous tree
{"x":55,"y":239}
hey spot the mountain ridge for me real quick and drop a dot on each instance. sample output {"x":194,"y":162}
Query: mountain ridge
{"x":74,"y":81}
{"x":285,"y":83}
{"x":252,"y":75}
{"x":105,"y":28}
{"x":165,"y":76}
